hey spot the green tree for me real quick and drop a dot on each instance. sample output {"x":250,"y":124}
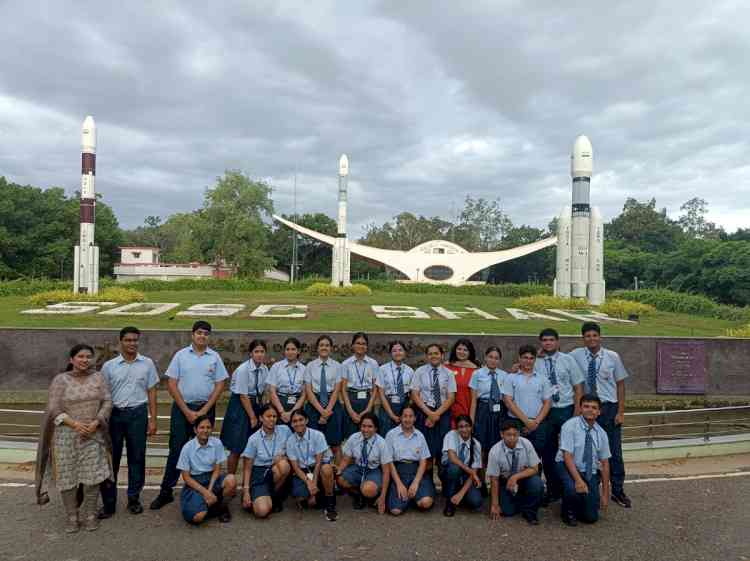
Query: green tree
{"x":640,"y":226}
{"x":313,"y":257}
{"x":482,"y":225}
{"x":693,"y":221}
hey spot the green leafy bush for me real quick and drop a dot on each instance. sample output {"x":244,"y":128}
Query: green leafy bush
{"x":508,"y":290}
{"x":684,"y":303}
{"x":325,"y":289}
{"x":117,"y":294}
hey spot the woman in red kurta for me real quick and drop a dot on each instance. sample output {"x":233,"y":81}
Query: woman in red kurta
{"x":462,"y":361}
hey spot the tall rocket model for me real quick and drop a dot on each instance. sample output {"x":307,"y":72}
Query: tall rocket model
{"x":86,"y":255}
{"x":340,"y":265}
{"x":580,"y":235}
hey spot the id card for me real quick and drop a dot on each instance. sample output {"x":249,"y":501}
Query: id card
{"x":310,"y":476}
{"x":496,"y":408}
{"x":395,"y":399}
{"x":361,"y":394}
{"x":291,"y":400}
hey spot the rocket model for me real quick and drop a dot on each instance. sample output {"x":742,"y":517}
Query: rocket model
{"x":580,"y":235}
{"x":340,"y":265}
{"x":86,"y":255}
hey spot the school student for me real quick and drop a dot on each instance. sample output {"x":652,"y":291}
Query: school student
{"x":358,"y":374}
{"x":195,"y":379}
{"x":528,"y":397}
{"x":322,"y":387}
{"x":409,"y":451}
{"x":310,"y":457}
{"x":132,"y":378}
{"x":433,"y":391}
{"x":583,"y":464}
{"x":605,"y":377}
{"x":241,"y":419}
{"x":286,"y":381}
{"x":364,"y":470}
{"x":265,"y":467}
{"x":393,"y":382}
{"x":566,"y":379}
{"x":513,"y":468}
{"x":462,"y":460}
{"x":462,"y":362}
{"x":207,"y":490}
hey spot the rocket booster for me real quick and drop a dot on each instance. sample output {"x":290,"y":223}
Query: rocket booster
{"x":86,"y":256}
{"x":341,"y":256}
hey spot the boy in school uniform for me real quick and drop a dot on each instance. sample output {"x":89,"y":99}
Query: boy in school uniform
{"x":513,"y":467}
{"x":583,"y":464}
{"x":207,"y":490}
{"x":605,"y":377}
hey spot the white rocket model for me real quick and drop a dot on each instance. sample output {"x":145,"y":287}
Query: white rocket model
{"x":580,"y":235}
{"x":86,"y":254}
{"x":341,"y":255}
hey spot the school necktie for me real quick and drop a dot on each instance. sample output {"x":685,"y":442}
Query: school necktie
{"x":494,"y":388}
{"x":257,"y":383}
{"x":462,"y":453}
{"x":400,"y":381}
{"x":513,"y":462}
{"x":588,"y":454}
{"x":552,"y":377}
{"x":323,"y":386}
{"x":436,"y":388}
{"x":592,"y":374}
{"x":365,"y":459}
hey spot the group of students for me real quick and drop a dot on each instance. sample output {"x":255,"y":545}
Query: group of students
{"x":381,"y":433}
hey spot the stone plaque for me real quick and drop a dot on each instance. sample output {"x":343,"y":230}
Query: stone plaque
{"x":681,"y":367}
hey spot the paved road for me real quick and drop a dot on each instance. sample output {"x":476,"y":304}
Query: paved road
{"x":697,"y":519}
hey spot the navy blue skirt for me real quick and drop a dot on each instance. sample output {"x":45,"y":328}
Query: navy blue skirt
{"x":359,"y":405}
{"x":331,"y":429}
{"x":235,"y":430}
{"x":487,"y":424}
{"x":386,"y":423}
{"x":436,"y":434}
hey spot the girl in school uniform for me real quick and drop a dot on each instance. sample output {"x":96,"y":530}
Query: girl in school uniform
{"x":433,"y":391}
{"x":322,"y":388}
{"x":286,"y":381}
{"x":358,"y":374}
{"x":462,"y":460}
{"x":265,"y":467}
{"x":241,"y":419}
{"x":462,"y":362}
{"x":364,"y":469}
{"x":393,"y":383}
{"x":408,"y":449}
{"x":487,"y":407}
{"x":310,"y":458}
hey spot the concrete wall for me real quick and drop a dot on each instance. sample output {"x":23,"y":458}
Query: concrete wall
{"x":31,"y":357}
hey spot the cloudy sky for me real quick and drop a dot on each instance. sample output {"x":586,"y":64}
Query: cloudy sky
{"x":432,"y":100}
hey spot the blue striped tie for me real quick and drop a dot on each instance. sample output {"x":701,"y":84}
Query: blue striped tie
{"x":323,"y":390}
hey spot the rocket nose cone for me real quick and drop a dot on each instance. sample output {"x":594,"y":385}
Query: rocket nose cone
{"x":88,"y":134}
{"x":582,"y":144}
{"x":582,"y":158}
{"x":343,"y":165}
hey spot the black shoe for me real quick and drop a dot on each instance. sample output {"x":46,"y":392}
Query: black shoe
{"x":485,"y":492}
{"x":358,"y":502}
{"x":531,"y":518}
{"x":162,"y":499}
{"x":278,"y":505}
{"x":103,"y":514}
{"x":622,"y":499}
{"x":135,"y":506}
{"x":569,"y":520}
{"x":450,"y":509}
{"x":549,"y":499}
{"x":330,"y":509}
{"x":225,"y":516}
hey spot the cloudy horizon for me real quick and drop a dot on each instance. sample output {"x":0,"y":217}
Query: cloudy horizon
{"x":431,"y":101}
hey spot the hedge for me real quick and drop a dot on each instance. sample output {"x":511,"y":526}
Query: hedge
{"x":683,"y":303}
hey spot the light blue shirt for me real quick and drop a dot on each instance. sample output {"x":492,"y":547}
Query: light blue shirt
{"x":528,"y":392}
{"x":568,"y":374}
{"x":243,"y":379}
{"x":388,"y":375}
{"x":196,"y":374}
{"x":481,"y":382}
{"x":573,"y":440}
{"x":303,"y":449}
{"x":500,"y":458}
{"x":287,"y":379}
{"x":199,"y":459}
{"x":407,"y":448}
{"x":422,"y":382}
{"x":130,"y":381}
{"x":333,"y":374}
{"x":378,"y":453}
{"x":263,"y":448}
{"x":453,"y":441}
{"x":359,"y":375}
{"x":609,"y":371}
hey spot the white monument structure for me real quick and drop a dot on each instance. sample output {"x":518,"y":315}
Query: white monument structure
{"x":86,"y":254}
{"x":341,"y":257}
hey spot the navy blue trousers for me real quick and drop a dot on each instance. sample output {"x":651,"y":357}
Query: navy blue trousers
{"x":614,"y":433}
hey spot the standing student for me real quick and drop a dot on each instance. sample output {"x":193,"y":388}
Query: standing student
{"x":433,"y":391}
{"x":195,"y":380}
{"x":605,"y":377}
{"x":207,"y":490}
{"x":241,"y":419}
{"x":358,"y":374}
{"x":322,"y":387}
{"x":265,"y":467}
{"x":528,"y":397}
{"x":462,"y":460}
{"x":286,"y":381}
{"x":364,"y":469}
{"x":487,"y":407}
{"x":462,"y":362}
{"x":132,"y":379}
{"x":310,"y":457}
{"x":393,"y":383}
{"x":583,"y":464}
{"x":409,"y":451}
{"x":566,"y":379}
{"x":513,"y":468}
